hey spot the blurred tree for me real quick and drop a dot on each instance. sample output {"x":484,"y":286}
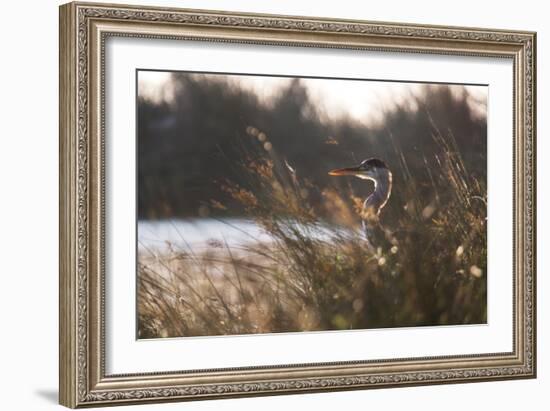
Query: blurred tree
{"x":188,"y":147}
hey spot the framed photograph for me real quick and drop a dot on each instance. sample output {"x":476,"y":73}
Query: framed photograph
{"x":259,"y":204}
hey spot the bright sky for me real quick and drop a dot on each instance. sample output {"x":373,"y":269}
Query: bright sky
{"x":359,"y":99}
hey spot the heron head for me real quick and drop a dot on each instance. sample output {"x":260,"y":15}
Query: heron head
{"x":369,"y":169}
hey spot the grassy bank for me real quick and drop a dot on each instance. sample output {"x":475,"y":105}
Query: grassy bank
{"x":318,"y":272}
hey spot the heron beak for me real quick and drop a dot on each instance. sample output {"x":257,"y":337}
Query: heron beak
{"x":349,"y":171}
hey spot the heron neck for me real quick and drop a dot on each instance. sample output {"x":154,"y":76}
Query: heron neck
{"x":382,"y":191}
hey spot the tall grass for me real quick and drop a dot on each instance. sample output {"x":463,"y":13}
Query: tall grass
{"x":318,"y":273}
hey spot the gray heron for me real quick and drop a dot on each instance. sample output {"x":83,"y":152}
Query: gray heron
{"x":377,"y":171}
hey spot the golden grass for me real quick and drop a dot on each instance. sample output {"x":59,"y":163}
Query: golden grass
{"x":306,"y":279}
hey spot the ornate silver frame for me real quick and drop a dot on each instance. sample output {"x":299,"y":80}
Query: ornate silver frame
{"x":83,"y":30}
